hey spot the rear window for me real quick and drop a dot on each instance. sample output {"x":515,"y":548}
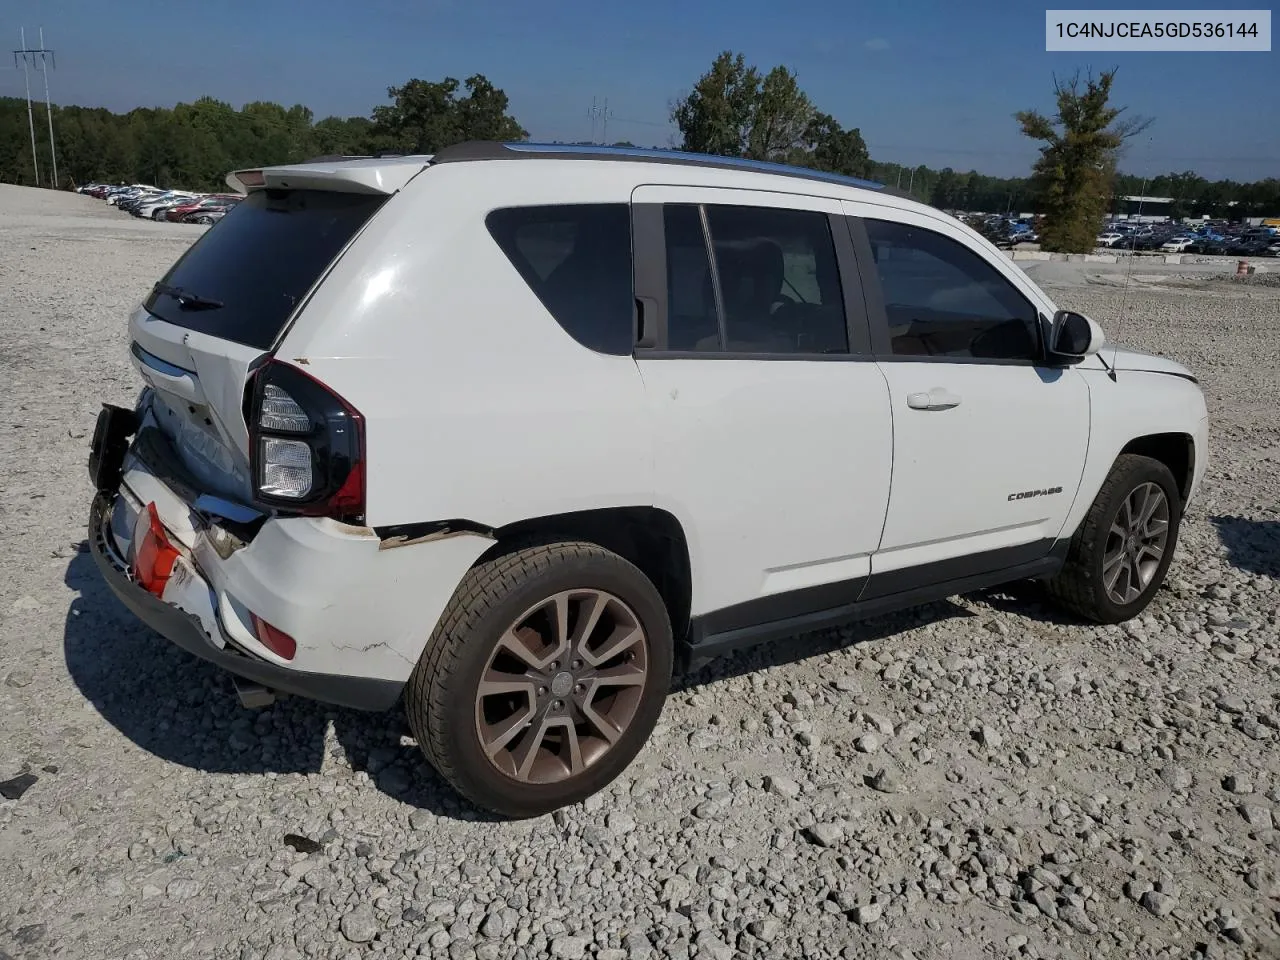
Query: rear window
{"x":260,"y":260}
{"x":577,"y":259}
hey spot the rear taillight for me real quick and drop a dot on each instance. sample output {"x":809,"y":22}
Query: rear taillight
{"x":306,"y":445}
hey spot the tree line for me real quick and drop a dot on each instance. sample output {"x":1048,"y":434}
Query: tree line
{"x":194,"y":145}
{"x":734,"y":109}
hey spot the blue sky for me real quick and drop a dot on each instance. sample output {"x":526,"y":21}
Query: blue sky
{"x":934,"y":83}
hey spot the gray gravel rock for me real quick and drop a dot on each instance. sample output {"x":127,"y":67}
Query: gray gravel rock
{"x":569,"y":948}
{"x":989,"y":737}
{"x":1237,"y":783}
{"x":1176,"y":777}
{"x":825,"y":834}
{"x":359,"y":926}
{"x":766,"y":929}
{"x":1077,"y":919}
{"x":1159,"y":904}
{"x":1256,"y":815}
{"x":183,"y":889}
{"x":783,"y":787}
{"x":885,"y":781}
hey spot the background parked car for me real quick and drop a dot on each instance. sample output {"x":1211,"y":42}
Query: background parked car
{"x":160,"y":209}
{"x":176,"y":214}
{"x":148,"y":208}
{"x":211,"y":214}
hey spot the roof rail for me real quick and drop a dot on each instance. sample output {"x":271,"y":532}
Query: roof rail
{"x":495,"y":150}
{"x":335,"y":157}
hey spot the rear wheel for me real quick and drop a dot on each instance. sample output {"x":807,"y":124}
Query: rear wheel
{"x":1120,"y":554}
{"x":543,"y":678}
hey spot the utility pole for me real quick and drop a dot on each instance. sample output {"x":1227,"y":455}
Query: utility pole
{"x":45,"y":56}
{"x":601,"y":113}
{"x":31,"y":123}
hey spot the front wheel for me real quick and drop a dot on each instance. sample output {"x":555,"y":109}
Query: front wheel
{"x":1120,"y":554}
{"x":543,"y":678}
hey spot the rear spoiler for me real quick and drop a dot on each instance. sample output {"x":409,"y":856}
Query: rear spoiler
{"x":377,"y":175}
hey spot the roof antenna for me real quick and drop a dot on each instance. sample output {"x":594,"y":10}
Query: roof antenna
{"x":1124,"y":296}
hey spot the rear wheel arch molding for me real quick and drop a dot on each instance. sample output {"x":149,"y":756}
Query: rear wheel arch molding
{"x":649,"y":537}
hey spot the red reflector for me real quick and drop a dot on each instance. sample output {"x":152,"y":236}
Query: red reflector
{"x":349,"y":499}
{"x":154,"y":558}
{"x":277,"y":641}
{"x":251,"y":178}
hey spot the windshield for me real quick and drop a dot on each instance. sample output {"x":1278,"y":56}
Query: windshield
{"x":261,"y":262}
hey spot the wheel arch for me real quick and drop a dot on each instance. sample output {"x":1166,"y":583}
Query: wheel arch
{"x":648,"y":537}
{"x":1177,"y":451}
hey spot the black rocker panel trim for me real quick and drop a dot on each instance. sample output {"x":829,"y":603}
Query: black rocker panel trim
{"x":955,"y":568}
{"x":744,"y":625}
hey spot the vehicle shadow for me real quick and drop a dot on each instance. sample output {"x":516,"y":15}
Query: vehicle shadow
{"x":1030,"y":599}
{"x":1252,"y":545}
{"x":185,"y":710}
{"x":804,"y":646}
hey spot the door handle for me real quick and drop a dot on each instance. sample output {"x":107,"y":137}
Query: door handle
{"x":936,"y":399}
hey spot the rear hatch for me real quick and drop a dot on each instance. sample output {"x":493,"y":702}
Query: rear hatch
{"x":223,"y":306}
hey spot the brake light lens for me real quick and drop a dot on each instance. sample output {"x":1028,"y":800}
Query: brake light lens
{"x":306,"y":445}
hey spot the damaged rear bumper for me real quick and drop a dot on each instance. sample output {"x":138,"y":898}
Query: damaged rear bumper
{"x":193,"y":634}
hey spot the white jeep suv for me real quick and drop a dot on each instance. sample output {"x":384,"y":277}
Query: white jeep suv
{"x":515,"y":431}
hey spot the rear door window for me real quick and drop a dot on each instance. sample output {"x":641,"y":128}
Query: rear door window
{"x":260,"y":263}
{"x":577,"y":260}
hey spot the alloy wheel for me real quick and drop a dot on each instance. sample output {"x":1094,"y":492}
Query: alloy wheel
{"x":562,"y":686}
{"x":1136,"y":543}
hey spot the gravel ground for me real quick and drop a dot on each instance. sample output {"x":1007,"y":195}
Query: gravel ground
{"x":979,"y":778}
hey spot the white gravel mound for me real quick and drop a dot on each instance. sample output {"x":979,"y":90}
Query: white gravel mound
{"x":981,"y":778}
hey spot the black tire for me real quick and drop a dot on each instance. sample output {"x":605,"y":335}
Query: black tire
{"x":440,"y":695}
{"x":1079,"y":586}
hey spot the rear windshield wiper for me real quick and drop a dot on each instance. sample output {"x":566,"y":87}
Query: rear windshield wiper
{"x":186,"y":300}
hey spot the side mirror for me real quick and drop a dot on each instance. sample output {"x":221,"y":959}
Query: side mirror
{"x":1073,"y":336}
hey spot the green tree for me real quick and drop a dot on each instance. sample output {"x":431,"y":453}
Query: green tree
{"x":781,"y":116}
{"x":482,"y":113}
{"x":424,"y":117}
{"x":343,"y":136}
{"x":735,"y":111}
{"x":946,"y":190}
{"x":716,"y":116}
{"x":1073,"y":176}
{"x":835,"y":149}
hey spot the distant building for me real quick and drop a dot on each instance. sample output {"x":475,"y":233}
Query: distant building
{"x":1142,"y":209}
